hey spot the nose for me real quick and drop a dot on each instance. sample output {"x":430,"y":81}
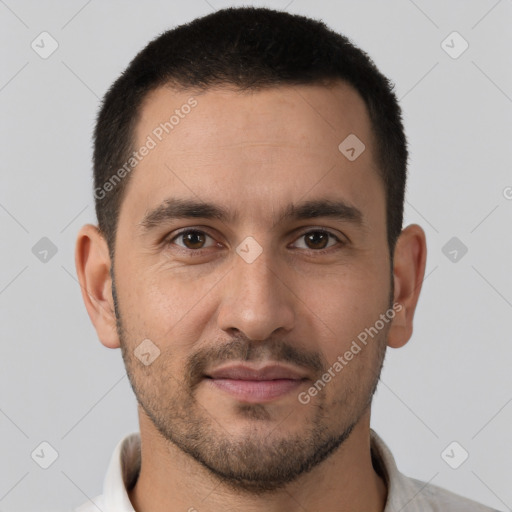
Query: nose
{"x":256,"y":300}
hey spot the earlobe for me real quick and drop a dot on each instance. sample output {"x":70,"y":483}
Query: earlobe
{"x":408,"y":274}
{"x":93,"y":264}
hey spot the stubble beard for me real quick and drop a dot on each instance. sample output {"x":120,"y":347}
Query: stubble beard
{"x":259,"y":460}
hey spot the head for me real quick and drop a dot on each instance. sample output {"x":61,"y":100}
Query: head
{"x":249,"y":174}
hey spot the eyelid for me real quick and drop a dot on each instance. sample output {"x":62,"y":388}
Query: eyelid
{"x":309,"y":229}
{"x":304,"y":231}
{"x":171,"y":238}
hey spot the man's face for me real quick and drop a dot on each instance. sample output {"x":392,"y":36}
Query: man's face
{"x":290,"y":299}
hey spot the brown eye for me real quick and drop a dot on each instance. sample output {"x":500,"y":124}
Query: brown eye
{"x":317,"y":240}
{"x":192,"y":239}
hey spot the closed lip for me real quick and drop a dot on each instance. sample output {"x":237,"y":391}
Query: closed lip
{"x":246,"y":372}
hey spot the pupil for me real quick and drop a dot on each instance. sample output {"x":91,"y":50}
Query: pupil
{"x":318,"y":240}
{"x":194,"y":240}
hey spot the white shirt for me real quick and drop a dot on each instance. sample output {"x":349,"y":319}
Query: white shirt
{"x":404,"y":493}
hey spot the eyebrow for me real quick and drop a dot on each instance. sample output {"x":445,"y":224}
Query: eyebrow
{"x":176,"y":208}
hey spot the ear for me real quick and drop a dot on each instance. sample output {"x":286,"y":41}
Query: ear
{"x":408,"y":273}
{"x":93,"y":264}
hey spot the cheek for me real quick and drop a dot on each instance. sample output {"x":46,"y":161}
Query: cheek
{"x":349,"y":304}
{"x":168,"y":309}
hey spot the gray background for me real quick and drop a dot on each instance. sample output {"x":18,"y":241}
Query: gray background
{"x":452,"y":382}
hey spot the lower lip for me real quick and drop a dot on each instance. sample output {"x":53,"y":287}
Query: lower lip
{"x":254,"y":391}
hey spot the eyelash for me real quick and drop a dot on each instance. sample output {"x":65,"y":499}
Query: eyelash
{"x":199,"y":251}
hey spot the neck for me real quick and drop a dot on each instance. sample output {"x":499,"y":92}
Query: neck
{"x":172,"y":481}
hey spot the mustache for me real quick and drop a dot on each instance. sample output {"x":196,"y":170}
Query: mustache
{"x":245,"y":349}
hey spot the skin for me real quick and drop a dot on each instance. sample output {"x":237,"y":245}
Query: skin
{"x":254,"y":153}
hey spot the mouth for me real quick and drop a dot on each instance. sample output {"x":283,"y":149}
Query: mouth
{"x":256,"y":385}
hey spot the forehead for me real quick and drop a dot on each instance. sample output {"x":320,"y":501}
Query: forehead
{"x":279,"y":115}
{"x":264,"y":146}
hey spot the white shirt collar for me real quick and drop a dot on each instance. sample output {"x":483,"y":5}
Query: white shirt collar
{"x":124,"y":468}
{"x":122,"y":473}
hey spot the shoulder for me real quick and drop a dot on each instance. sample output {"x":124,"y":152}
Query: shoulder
{"x":436,"y":499}
{"x":415,"y":495}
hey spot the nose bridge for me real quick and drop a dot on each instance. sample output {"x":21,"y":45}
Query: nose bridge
{"x":257,"y":276}
{"x":255,"y":300}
